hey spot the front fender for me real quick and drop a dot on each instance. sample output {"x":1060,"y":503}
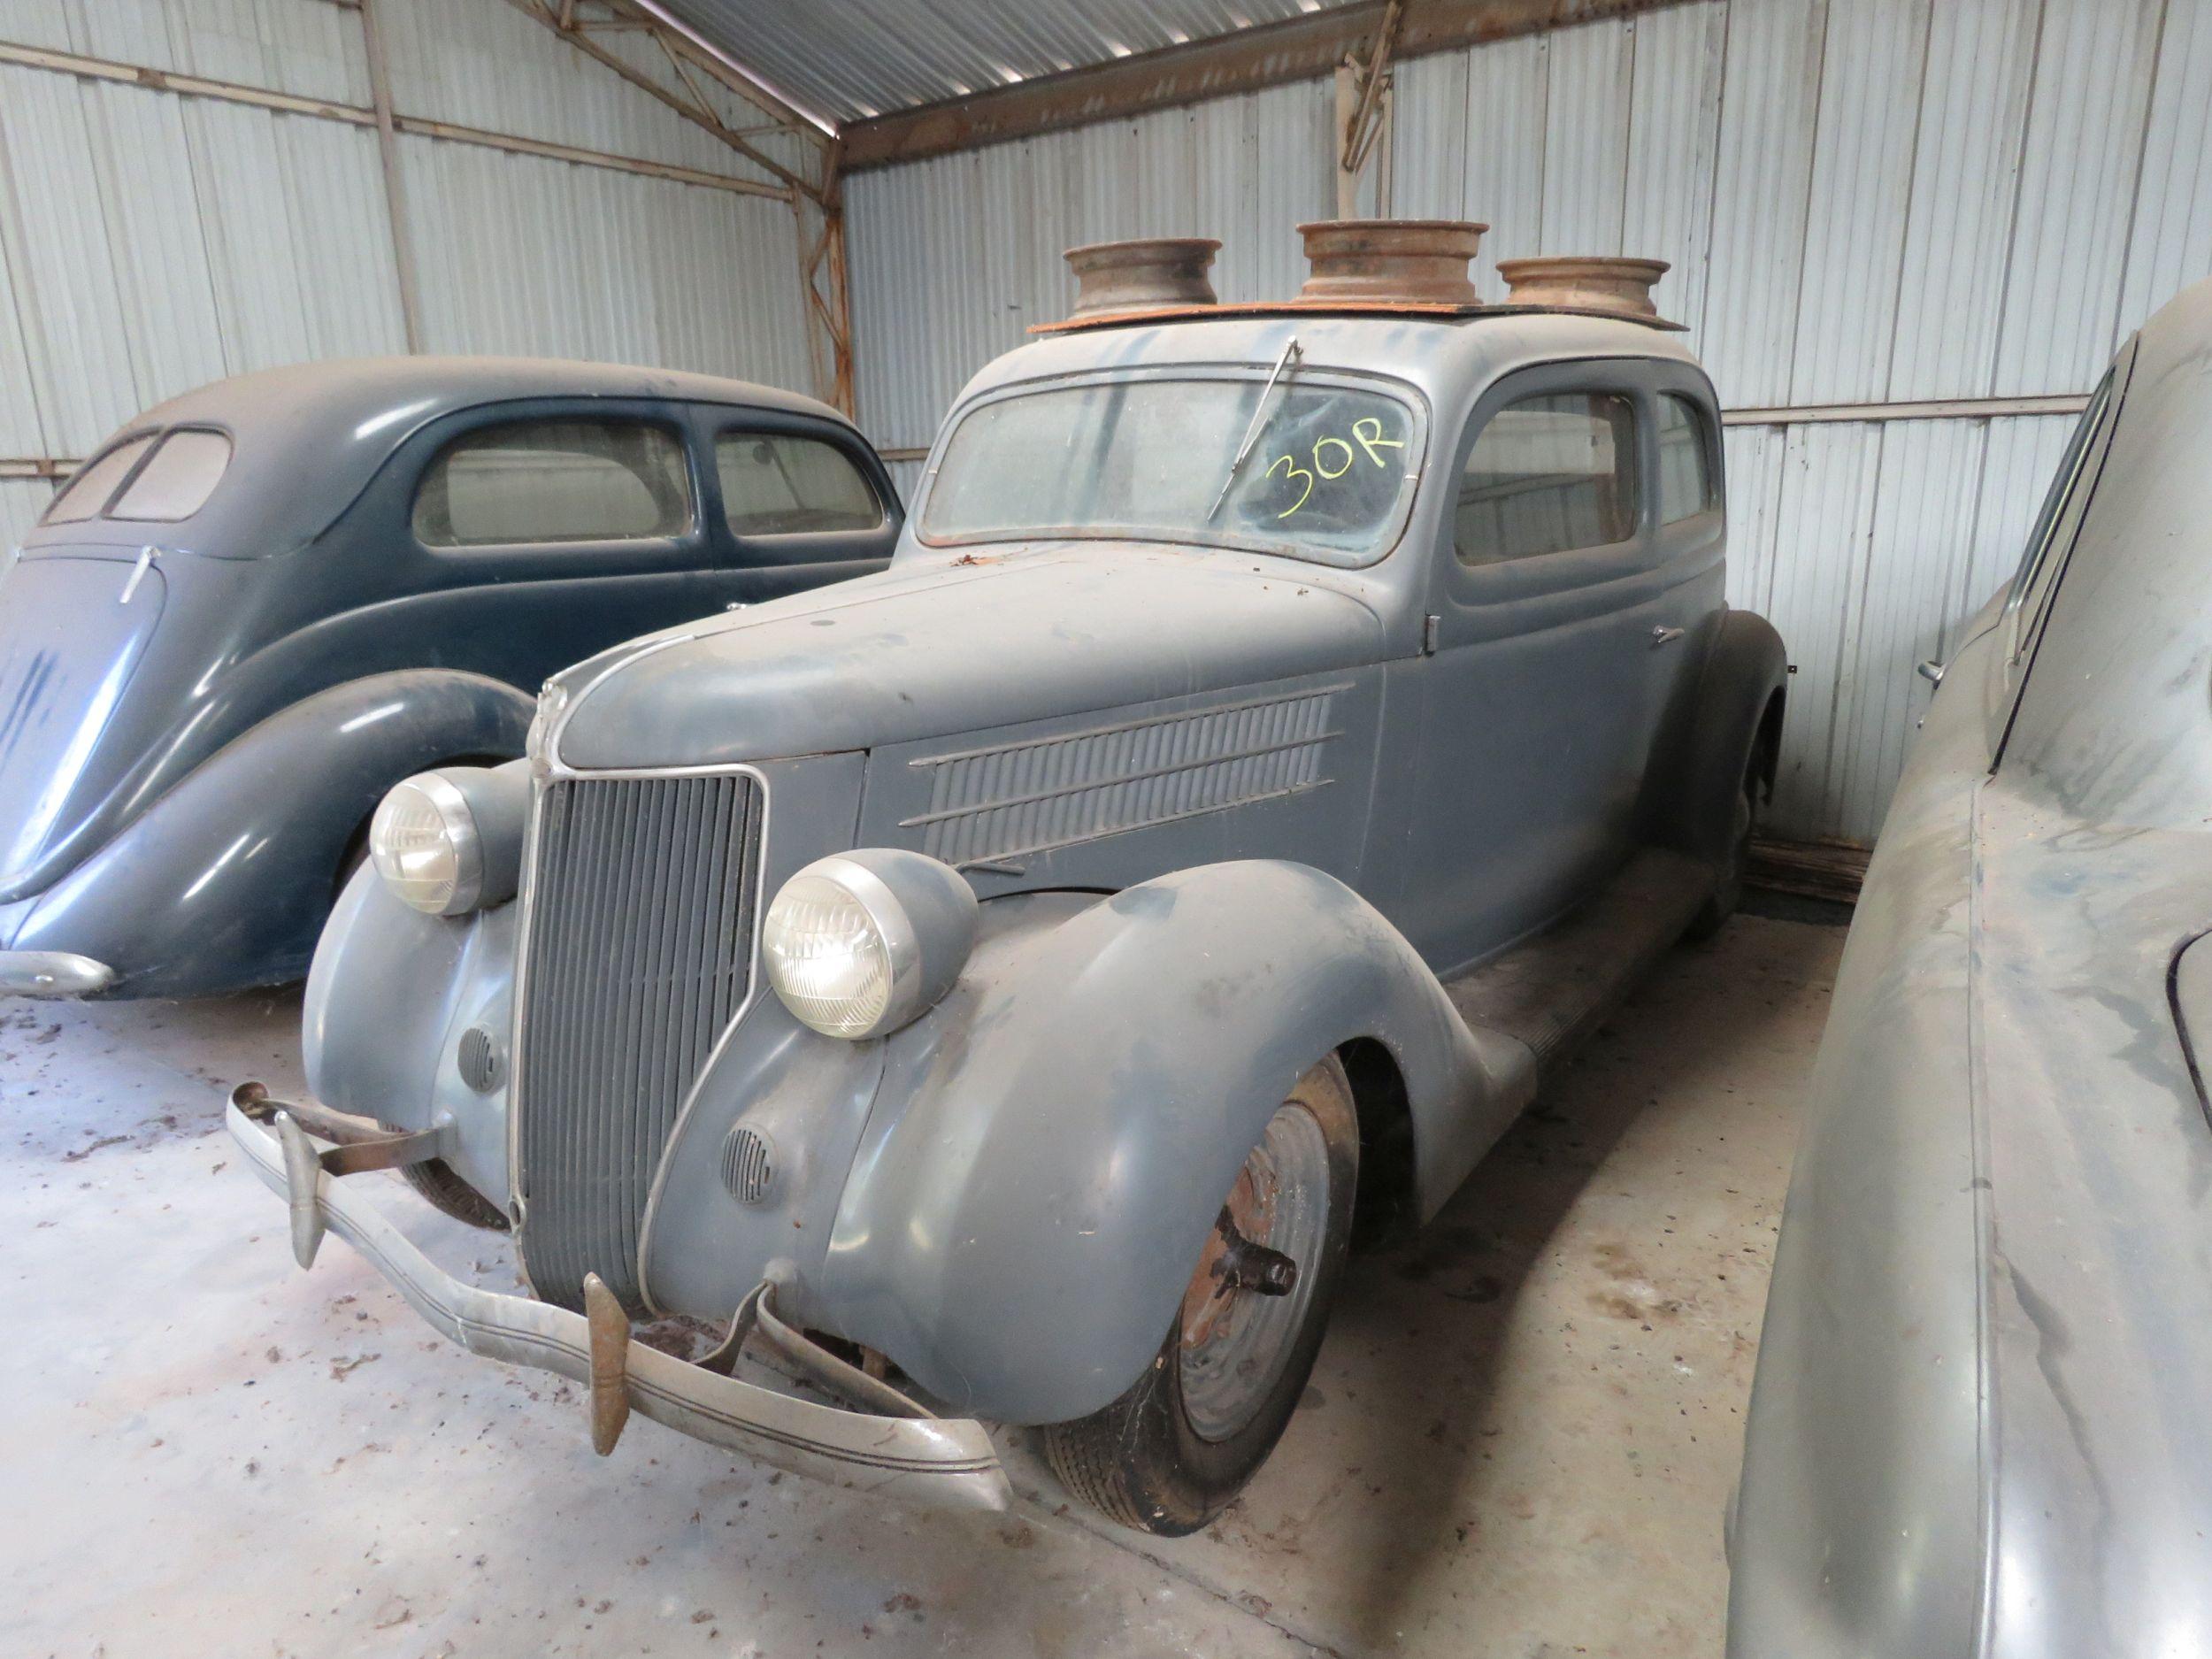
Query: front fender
{"x":1051,"y":1144}
{"x":389,"y":998}
{"x":224,"y":882}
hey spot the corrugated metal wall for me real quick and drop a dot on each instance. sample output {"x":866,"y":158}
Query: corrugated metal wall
{"x":151,"y":241}
{"x":1866,"y":202}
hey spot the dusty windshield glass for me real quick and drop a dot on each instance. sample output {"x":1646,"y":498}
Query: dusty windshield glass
{"x":1328,"y":477}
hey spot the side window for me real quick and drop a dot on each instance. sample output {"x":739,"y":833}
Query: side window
{"x":555,"y":481}
{"x":775,"y":484}
{"x":1685,"y":461}
{"x":177,"y":482}
{"x":1546,"y":475}
{"x":2061,"y":511}
{"x":86,"y":494}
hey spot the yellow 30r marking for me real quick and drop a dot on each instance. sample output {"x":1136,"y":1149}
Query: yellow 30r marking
{"x":1367,"y":429}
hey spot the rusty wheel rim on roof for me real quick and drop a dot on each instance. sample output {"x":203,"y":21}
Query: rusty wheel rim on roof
{"x":1421,"y":260}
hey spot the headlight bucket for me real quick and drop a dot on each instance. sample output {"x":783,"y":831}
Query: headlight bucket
{"x":449,"y":841}
{"x":860,"y":943}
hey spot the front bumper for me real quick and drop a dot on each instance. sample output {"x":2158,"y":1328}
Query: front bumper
{"x":948,"y":1462}
{"x":52,"y":973}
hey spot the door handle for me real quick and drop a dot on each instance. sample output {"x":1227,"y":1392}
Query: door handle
{"x":1666,"y":635}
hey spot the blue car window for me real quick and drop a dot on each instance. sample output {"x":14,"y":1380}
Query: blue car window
{"x":87,"y":493}
{"x":555,"y":481}
{"x":177,"y":480}
{"x":776,"y":485}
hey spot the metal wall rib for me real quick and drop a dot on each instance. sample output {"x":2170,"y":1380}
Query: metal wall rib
{"x":1864,"y":201}
{"x":641,"y":931}
{"x":150,"y":241}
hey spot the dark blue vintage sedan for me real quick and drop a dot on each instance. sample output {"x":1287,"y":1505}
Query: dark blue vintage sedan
{"x":263,"y":603}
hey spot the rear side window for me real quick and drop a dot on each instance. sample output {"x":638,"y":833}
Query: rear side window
{"x":176,"y":482}
{"x":1547,"y":474}
{"x":87,"y":493}
{"x":555,"y":481}
{"x":2054,"y":522}
{"x":774,"y":484}
{"x":1685,"y":461}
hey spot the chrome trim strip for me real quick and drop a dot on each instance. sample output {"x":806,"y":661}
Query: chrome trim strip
{"x":52,"y":973}
{"x":946,"y":1460}
{"x":516,"y":1098}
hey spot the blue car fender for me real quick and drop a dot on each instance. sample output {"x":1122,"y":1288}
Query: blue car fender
{"x":1052,"y":1143}
{"x":224,"y":882}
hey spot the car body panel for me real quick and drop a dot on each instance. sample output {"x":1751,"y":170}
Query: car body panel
{"x":1978,"y":1424}
{"x":302,"y":573}
{"x":1183,"y":780}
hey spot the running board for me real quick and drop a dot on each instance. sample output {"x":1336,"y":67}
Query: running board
{"x":1555,"y":986}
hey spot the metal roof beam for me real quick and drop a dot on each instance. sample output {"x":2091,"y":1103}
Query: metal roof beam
{"x":685,"y":97}
{"x":1269,"y":54}
{"x":326,"y":109}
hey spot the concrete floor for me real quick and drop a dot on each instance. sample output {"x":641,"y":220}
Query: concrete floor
{"x":1518,"y":1442}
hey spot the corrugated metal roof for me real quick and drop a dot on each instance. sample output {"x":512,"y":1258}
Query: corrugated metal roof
{"x":848,"y":59}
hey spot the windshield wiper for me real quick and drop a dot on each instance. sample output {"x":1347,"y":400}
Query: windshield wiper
{"x":1291,"y":354}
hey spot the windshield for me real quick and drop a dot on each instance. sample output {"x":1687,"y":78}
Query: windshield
{"x":1330,"y":475}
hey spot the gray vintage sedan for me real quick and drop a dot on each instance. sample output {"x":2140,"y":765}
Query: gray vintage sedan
{"x":1004,"y":987}
{"x":263,"y":603}
{"x":1978,"y":1424}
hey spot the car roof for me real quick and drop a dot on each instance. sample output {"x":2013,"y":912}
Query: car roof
{"x":2114,"y":711}
{"x":1449,"y":358}
{"x":308,"y":437}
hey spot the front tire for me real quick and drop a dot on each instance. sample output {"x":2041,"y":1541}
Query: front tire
{"x":437,"y":1180}
{"x":1175,"y":1450}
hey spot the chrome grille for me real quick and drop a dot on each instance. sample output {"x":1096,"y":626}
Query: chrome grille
{"x":640,"y":930}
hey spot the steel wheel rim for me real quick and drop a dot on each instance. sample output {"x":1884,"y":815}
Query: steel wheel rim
{"x":1236,"y":1344}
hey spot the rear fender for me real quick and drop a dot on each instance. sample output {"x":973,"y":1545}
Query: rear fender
{"x":1051,"y":1144}
{"x":224,"y":882}
{"x":1733,"y":721}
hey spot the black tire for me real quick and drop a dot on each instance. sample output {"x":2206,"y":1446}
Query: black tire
{"x":1142,"y":1460}
{"x":436,"y":1181}
{"x":1727,"y":893}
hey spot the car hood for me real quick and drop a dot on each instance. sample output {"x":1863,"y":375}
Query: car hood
{"x":953,"y":642}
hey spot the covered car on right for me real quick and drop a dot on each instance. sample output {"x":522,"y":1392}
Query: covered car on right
{"x":1982,"y":1421}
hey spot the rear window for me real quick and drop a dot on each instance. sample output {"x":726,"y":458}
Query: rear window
{"x":777,"y":485}
{"x":87,"y":493}
{"x":1547,"y":474}
{"x":555,"y":481}
{"x":176,"y":482}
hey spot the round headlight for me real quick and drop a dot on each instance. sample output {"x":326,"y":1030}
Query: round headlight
{"x":862,"y":943}
{"x":425,"y":843}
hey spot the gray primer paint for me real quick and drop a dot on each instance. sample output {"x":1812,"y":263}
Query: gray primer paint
{"x":1007,"y":1195}
{"x":1978,"y":1424}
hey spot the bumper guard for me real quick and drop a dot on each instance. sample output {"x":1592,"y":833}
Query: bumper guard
{"x":908,"y":1454}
